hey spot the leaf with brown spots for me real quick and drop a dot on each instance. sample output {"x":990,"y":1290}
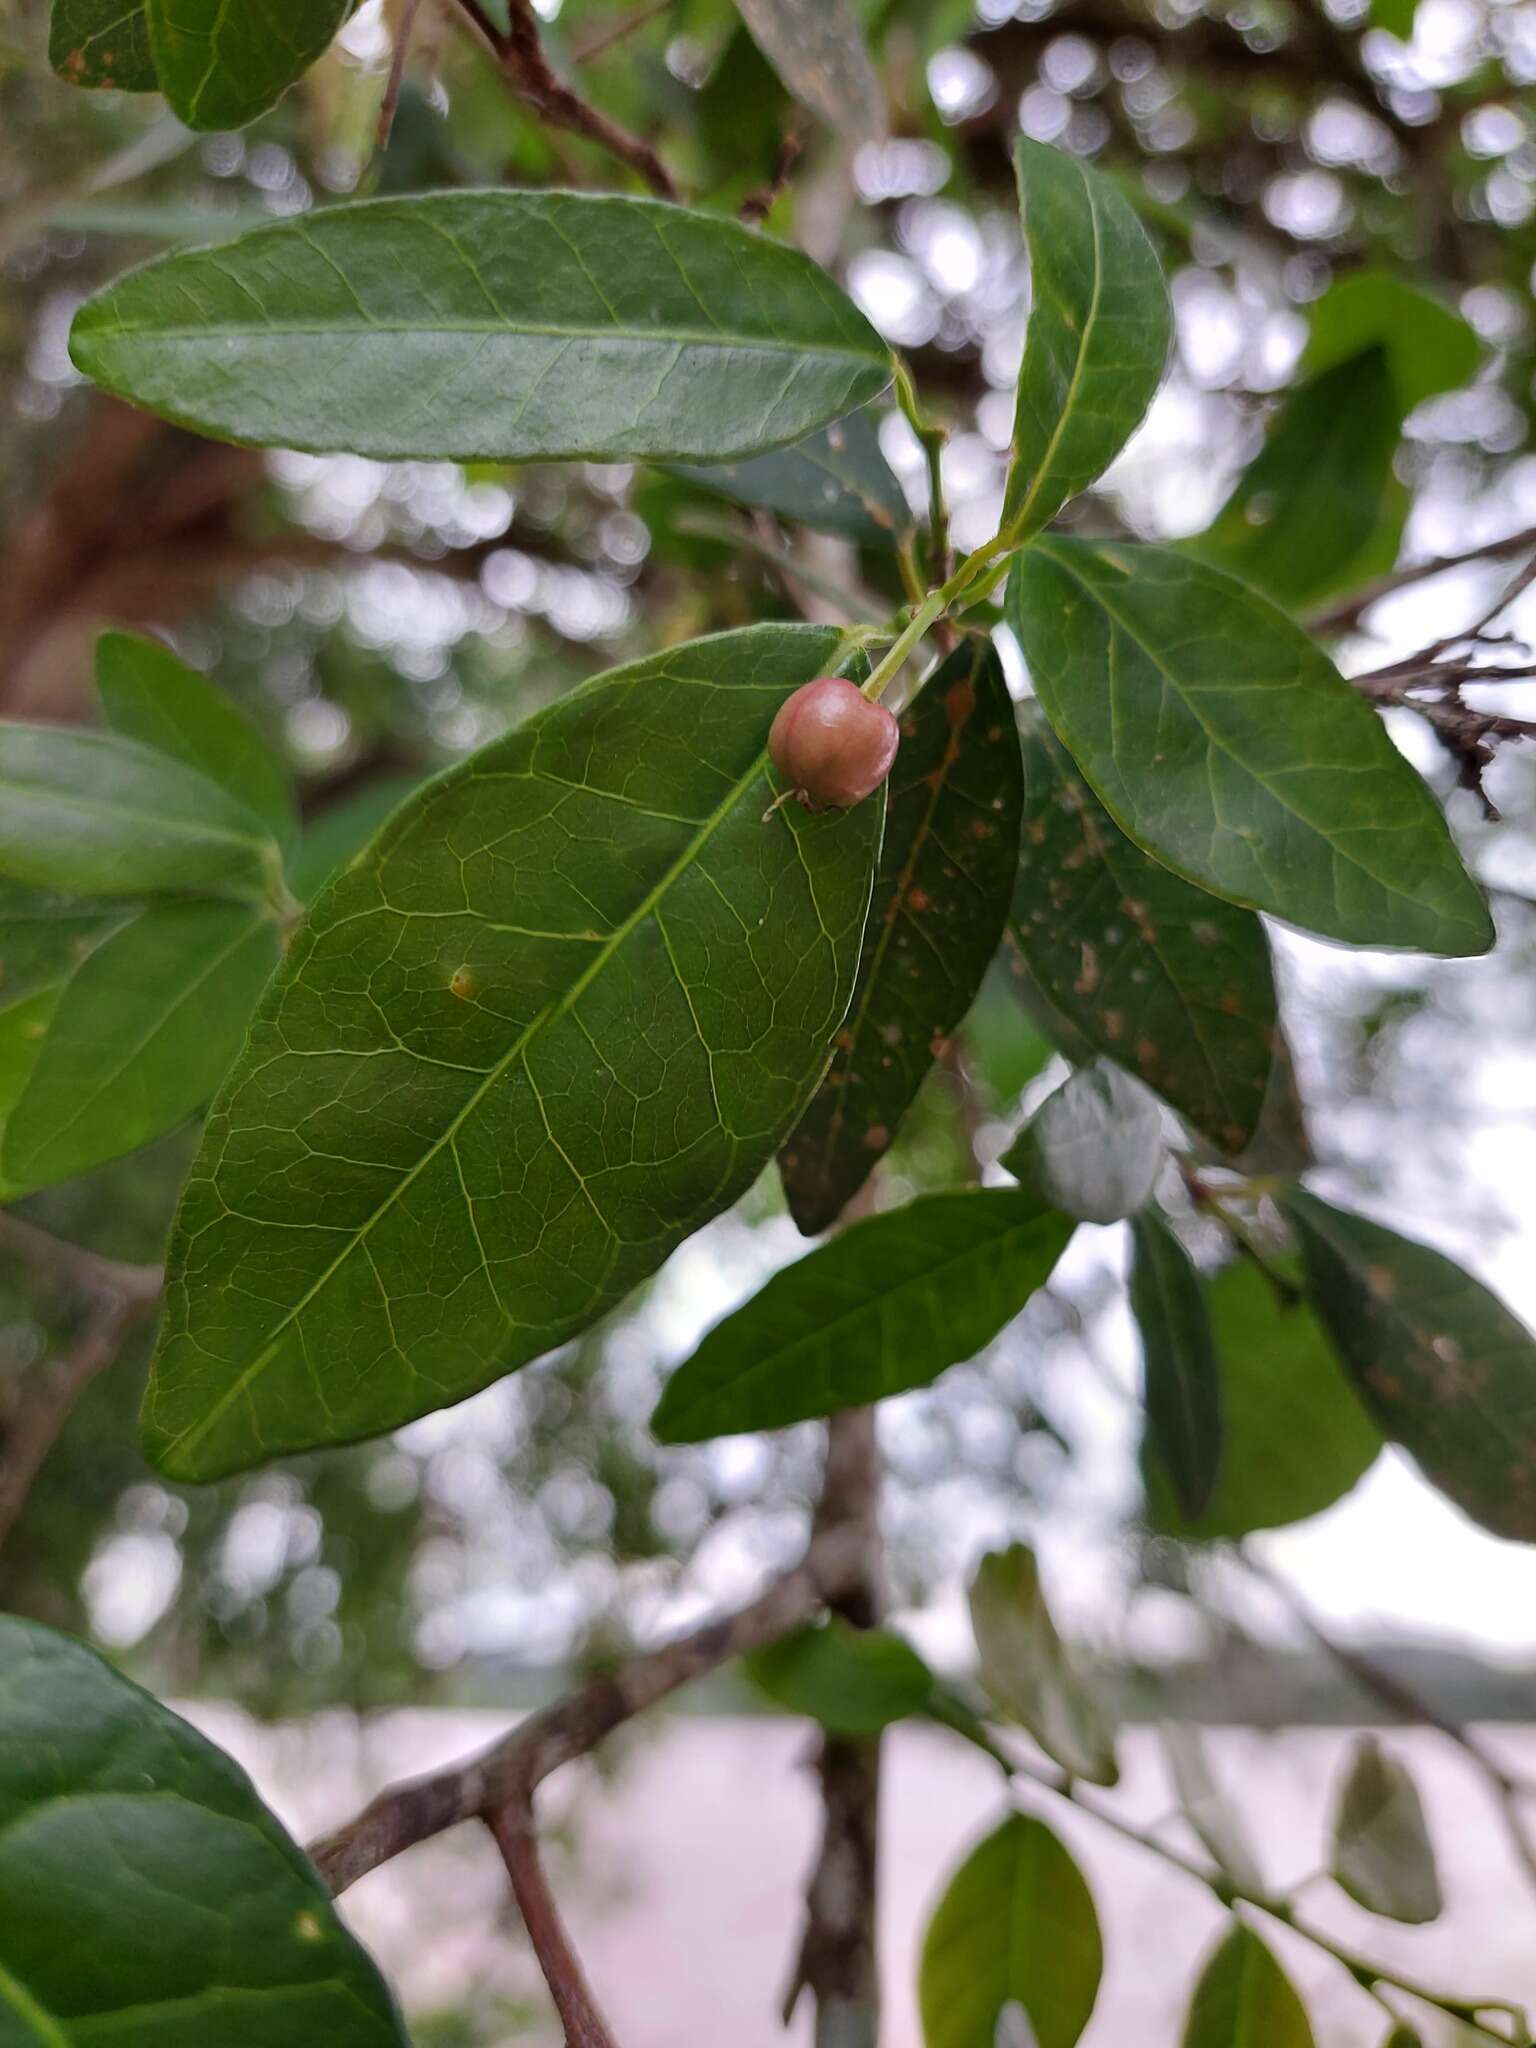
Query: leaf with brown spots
{"x":102,"y":43}
{"x":1136,"y":963}
{"x":1440,"y":1363}
{"x":941,"y":901}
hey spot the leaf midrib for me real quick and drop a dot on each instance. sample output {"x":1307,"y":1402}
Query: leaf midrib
{"x":16,"y":1995}
{"x":639,"y":337}
{"x":551,"y":1012}
{"x":1095,"y":593}
{"x":1019,"y":518}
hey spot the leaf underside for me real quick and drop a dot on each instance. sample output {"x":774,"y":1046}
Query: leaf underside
{"x":947,"y":871}
{"x":559,"y":1015}
{"x":836,"y":480}
{"x":1174,"y":985}
{"x":481,"y":325}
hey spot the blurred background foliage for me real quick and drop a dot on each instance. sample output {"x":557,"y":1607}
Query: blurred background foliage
{"x":1345,"y":199}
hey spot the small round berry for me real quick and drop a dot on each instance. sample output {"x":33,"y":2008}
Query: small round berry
{"x":832,"y":743}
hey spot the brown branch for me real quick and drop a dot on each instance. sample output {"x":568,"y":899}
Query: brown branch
{"x":390,"y":104}
{"x":1341,"y":617}
{"x":512,"y":1825}
{"x":602,"y":40}
{"x":838,"y":1959}
{"x":512,"y":1767}
{"x":119,"y":1296}
{"x":521,"y":57}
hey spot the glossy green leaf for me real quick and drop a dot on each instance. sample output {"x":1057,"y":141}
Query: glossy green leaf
{"x":884,"y":1306}
{"x":1172,"y":984}
{"x":95,"y":43}
{"x":1442,"y":1365}
{"x":1094,"y":1148}
{"x":151,"y":696}
{"x":1245,"y":2000}
{"x":339,"y":833}
{"x":1016,"y":1926}
{"x":835,"y":480}
{"x":941,"y":900}
{"x":1295,"y":1438}
{"x":508,"y":325}
{"x":1208,"y":1810}
{"x":1181,"y":1381}
{"x":1027,"y":1673}
{"x":221,"y":66}
{"x":1226,"y":743}
{"x":1097,"y":339}
{"x":92,"y":814}
{"x":151,"y":1900}
{"x":1380,"y":1850}
{"x":817,"y":48}
{"x":140,"y":1037}
{"x":854,"y":1681}
{"x":559,"y":1015}
{"x":1429,"y":348}
{"x":1319,"y":509}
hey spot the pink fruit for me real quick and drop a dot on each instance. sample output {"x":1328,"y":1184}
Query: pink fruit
{"x":832,"y":744}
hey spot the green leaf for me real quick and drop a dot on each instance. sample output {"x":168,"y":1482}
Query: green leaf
{"x":1318,"y":510}
{"x":817,"y":48}
{"x":485,"y":325}
{"x":93,"y":814}
{"x":1429,"y":348}
{"x":835,"y":480}
{"x":95,"y":43}
{"x":1397,"y":17}
{"x":558,"y":1016}
{"x":854,"y":1681}
{"x":1381,"y":1853}
{"x":1209,"y":1811}
{"x":1026,"y":1672}
{"x":152,"y":697}
{"x":1442,"y":1365}
{"x":1294,"y":1437}
{"x":1094,"y":1148}
{"x":341,"y":831}
{"x":1245,"y":2000}
{"x":43,"y":939}
{"x":140,"y":1037}
{"x":1016,"y":1927}
{"x":1181,"y":1381}
{"x":1097,"y":339}
{"x":1226,"y":743}
{"x":1172,"y":984}
{"x":221,"y":66}
{"x":884,"y":1306}
{"x":946,"y":879}
{"x":150,"y":1898}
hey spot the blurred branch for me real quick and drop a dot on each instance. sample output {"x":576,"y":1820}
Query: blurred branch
{"x":512,"y":1825}
{"x":1407,"y":1705}
{"x":1344,"y":616}
{"x":521,"y":57}
{"x":838,"y":1961}
{"x":117,"y":1296}
{"x":602,"y":40}
{"x":514,"y":1767}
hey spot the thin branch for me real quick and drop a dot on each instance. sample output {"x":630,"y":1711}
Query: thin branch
{"x":389,"y":105}
{"x":521,"y":57}
{"x":759,"y":204}
{"x":585,"y":2027}
{"x":512,"y":1767}
{"x":838,"y":1958}
{"x":1407,"y":1705}
{"x":119,"y":1296}
{"x":602,"y":40}
{"x":1345,"y":615}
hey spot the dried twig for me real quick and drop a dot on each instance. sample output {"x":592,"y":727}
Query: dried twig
{"x":1341,"y":617}
{"x":521,"y":56}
